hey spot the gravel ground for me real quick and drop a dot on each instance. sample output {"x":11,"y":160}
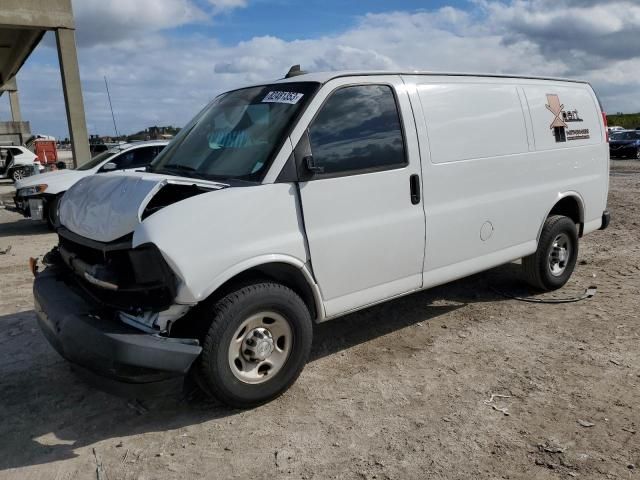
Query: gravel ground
{"x":398,"y":391}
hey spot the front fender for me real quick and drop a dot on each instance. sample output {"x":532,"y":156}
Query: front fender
{"x":208,"y":238}
{"x":268,"y":260}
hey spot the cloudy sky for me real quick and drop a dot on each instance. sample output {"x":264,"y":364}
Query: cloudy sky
{"x":165,"y":59}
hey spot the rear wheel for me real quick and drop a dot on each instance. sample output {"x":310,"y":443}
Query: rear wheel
{"x":256,"y":346}
{"x":551,"y":266}
{"x":638,"y":154}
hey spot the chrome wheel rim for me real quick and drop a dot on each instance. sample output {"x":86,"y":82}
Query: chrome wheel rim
{"x":559,"y":255}
{"x":260,"y":347}
{"x":18,"y":175}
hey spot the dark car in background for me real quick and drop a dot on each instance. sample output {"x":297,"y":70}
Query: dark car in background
{"x":625,"y":144}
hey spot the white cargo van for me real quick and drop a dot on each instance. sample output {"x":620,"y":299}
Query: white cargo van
{"x":307,"y":198}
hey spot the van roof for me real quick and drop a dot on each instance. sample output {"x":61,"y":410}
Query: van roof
{"x":323,"y":77}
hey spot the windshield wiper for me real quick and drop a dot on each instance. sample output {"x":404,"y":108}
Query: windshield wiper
{"x":179,"y":167}
{"x":180,"y":171}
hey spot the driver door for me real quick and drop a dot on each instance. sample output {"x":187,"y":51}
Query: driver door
{"x":362,"y":206}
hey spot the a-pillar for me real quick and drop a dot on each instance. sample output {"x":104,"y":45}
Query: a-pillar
{"x":72,"y":90}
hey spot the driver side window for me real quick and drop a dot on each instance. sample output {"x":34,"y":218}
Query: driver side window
{"x":357,"y":130}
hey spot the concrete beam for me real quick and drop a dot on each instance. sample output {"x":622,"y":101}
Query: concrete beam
{"x":14,"y":133}
{"x":9,"y":86}
{"x":43,"y":14}
{"x":72,"y":90}
{"x":24,"y":43}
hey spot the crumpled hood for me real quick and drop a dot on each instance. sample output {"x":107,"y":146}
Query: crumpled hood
{"x":107,"y":207}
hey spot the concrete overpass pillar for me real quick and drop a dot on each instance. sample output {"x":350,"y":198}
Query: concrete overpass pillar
{"x":71,"y":87}
{"x":16,"y":115}
{"x":11,"y":87}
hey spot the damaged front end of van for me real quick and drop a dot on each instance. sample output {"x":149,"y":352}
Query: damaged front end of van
{"x":106,"y":300}
{"x":127,"y":293}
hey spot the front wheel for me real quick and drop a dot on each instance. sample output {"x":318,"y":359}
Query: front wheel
{"x":18,"y":174}
{"x":52,"y":212}
{"x":256,"y":346}
{"x":551,"y":266}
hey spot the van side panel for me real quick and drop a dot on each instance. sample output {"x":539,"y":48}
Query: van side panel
{"x":472,"y":121}
{"x":571,"y":105}
{"x":487,"y":190}
{"x":578,"y":160}
{"x":476,"y":190}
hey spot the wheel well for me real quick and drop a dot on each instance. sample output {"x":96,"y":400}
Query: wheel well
{"x":569,"y":207}
{"x":283,"y":273}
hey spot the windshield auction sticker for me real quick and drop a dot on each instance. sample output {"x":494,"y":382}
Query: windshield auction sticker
{"x":282,"y":97}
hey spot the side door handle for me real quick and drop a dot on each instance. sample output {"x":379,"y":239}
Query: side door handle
{"x":414,"y":187}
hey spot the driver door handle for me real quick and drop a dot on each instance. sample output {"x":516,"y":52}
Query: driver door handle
{"x":414,"y":187}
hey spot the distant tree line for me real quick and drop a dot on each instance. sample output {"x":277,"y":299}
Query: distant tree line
{"x":625,"y":120}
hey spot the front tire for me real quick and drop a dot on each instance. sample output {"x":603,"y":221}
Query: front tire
{"x":256,"y":346}
{"x":52,"y":212}
{"x":551,"y":266}
{"x":17,"y":174}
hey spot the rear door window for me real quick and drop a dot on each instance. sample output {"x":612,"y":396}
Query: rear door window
{"x":358,"y":130}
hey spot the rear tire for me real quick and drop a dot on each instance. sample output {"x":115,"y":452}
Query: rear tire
{"x":551,"y":266}
{"x":256,"y":346}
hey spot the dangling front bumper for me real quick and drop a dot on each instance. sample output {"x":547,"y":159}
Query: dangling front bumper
{"x":89,"y":335}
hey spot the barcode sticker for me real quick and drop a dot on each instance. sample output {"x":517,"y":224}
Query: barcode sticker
{"x":282,"y":97}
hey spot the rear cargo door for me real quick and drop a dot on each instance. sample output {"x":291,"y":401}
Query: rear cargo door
{"x":362,"y":207}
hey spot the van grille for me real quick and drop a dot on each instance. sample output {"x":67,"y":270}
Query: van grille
{"x":144,"y":280}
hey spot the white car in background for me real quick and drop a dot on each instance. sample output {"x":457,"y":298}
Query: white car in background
{"x":37,"y":197}
{"x":16,"y":162}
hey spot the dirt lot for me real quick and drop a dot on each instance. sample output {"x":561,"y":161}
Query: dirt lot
{"x":398,"y":391}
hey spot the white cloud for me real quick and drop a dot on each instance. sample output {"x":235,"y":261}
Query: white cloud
{"x":157,"y":81}
{"x":222,"y":5}
{"x":118,"y":21}
{"x":110,"y":21}
{"x":585,"y":33}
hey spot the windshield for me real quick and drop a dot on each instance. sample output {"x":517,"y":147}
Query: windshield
{"x":236,"y":136}
{"x":98,"y":159}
